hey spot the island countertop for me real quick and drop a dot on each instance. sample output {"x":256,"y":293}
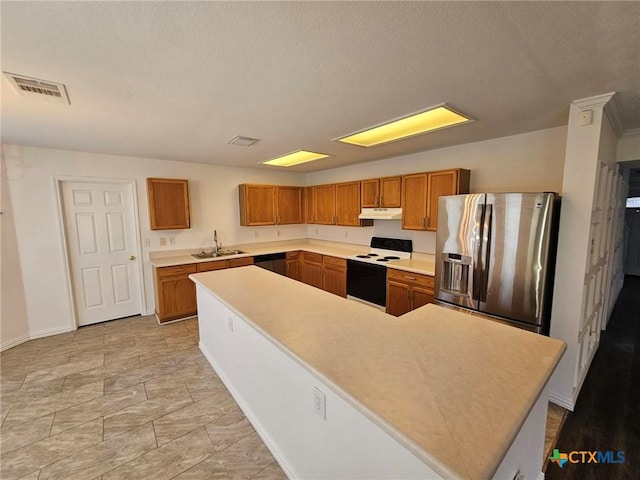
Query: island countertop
{"x":452,"y":388}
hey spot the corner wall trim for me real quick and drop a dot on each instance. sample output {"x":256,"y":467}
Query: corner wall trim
{"x":14,"y":342}
{"x":564,"y":402}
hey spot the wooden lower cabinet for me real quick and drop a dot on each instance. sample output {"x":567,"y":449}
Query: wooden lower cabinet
{"x":334,"y":275}
{"x":175,"y":293}
{"x":407,"y":291}
{"x":294,"y":263}
{"x":312,"y":269}
{"x":325,"y":272}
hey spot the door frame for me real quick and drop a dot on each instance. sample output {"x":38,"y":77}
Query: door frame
{"x":58,"y":180}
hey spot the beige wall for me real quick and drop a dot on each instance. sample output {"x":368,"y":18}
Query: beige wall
{"x":14,"y":325}
{"x":31,"y":172}
{"x":629,"y":148}
{"x":527,"y":162}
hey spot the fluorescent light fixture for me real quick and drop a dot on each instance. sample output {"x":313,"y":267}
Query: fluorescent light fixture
{"x":295,"y":158}
{"x":433,"y":118}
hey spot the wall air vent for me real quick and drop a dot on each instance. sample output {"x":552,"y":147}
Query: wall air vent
{"x":41,"y":89}
{"x":242,"y":141}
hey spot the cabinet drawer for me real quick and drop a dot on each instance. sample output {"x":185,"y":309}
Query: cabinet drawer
{"x":312,"y":257}
{"x":334,"y":261}
{"x":210,"y":266}
{"x":240,"y":262}
{"x":176,"y":270}
{"x":410,"y":277}
{"x":293,"y":255}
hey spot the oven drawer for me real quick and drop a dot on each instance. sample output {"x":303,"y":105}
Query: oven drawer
{"x":410,"y":277}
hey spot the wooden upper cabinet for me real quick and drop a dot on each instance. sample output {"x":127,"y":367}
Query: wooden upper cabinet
{"x":269,"y":205}
{"x":420,"y":194}
{"x":390,"y":188}
{"x":308,"y":205}
{"x":381,"y":192}
{"x":289,"y":203}
{"x":168,"y":203}
{"x":445,"y":182}
{"x":348,"y":205}
{"x":257,"y":204}
{"x":414,"y":201}
{"x":370,"y":193}
{"x":324,"y":204}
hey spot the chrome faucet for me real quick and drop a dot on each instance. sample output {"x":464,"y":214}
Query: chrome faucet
{"x":216,"y":246}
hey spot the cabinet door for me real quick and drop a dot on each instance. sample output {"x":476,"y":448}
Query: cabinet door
{"x":308,"y":205}
{"x":414,"y":201}
{"x":334,"y":275}
{"x":369,"y":195}
{"x":439,"y":184}
{"x":177,"y":298}
{"x":390,"y":188}
{"x":348,"y":204}
{"x":397,"y":298}
{"x":294,"y":260}
{"x":168,"y":203}
{"x":312,"y":273}
{"x":210,"y":266}
{"x":257,"y":205}
{"x":240,"y":262}
{"x":289,"y":200}
{"x":324,"y":207}
{"x":420,"y":296}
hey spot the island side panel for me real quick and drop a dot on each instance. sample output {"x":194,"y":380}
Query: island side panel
{"x":277,"y":396}
{"x":525,"y":456}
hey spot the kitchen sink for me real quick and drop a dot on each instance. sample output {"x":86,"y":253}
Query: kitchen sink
{"x":221,"y":253}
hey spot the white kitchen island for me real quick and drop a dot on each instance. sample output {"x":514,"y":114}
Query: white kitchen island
{"x":337,"y":389}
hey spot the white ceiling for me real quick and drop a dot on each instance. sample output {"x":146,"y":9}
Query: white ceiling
{"x":177,"y":80}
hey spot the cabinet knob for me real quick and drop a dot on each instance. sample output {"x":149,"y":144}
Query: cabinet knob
{"x":131,"y":257}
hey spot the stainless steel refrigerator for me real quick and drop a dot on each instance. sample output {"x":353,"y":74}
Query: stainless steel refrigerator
{"x":495,"y":255}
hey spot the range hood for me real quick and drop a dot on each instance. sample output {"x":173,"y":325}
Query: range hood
{"x":380,"y":214}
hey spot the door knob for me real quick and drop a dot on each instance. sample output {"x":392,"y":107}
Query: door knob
{"x":131,"y":257}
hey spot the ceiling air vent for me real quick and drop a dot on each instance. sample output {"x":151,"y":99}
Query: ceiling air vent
{"x":242,"y":141}
{"x":42,"y":89}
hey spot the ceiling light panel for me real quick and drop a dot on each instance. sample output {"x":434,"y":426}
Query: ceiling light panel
{"x":295,"y":158}
{"x":434,"y":118}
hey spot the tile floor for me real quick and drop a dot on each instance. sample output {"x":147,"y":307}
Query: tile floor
{"x":123,"y":399}
{"x":129,"y":399}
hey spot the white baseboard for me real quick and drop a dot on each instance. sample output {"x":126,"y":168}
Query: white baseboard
{"x":14,"y":342}
{"x":49,"y":332}
{"x":564,"y":402}
{"x":541,"y":476}
{"x":32,"y":336}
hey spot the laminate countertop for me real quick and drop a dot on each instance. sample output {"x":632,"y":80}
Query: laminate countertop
{"x":420,"y":263}
{"x":452,"y":388}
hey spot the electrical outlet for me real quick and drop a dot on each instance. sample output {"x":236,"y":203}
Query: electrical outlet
{"x":163,"y":241}
{"x":346,"y":234}
{"x":278,"y":233}
{"x":230,"y":323}
{"x":316,"y":231}
{"x":319,"y":403}
{"x":255,"y":234}
{"x":172,"y":240}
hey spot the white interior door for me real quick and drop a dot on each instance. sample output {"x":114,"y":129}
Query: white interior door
{"x":101,"y":239}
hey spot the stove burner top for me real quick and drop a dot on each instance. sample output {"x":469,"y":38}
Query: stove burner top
{"x":362,"y":256}
{"x":382,"y":260}
{"x":391,"y":257}
{"x":372,"y":254}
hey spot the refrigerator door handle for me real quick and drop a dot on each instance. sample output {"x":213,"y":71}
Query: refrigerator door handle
{"x":485,"y":252}
{"x":477,"y":265}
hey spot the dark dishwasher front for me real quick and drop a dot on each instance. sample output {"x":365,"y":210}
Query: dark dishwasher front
{"x":367,"y":282}
{"x":274,"y":262}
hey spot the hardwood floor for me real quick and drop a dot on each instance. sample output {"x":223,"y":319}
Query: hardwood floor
{"x":607,"y":414}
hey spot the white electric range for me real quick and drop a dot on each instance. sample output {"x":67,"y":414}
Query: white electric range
{"x":367,"y":273}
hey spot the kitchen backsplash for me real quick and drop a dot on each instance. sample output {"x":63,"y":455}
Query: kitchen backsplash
{"x":424,"y":242}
